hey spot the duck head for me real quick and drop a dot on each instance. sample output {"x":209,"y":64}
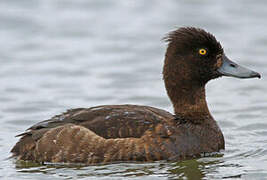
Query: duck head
{"x":194,"y":57}
{"x":199,"y":56}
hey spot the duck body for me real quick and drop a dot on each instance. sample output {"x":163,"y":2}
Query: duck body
{"x":114,"y":133}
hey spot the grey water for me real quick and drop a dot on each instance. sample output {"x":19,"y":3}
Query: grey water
{"x":56,"y":55}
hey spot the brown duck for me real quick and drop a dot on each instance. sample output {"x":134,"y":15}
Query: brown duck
{"x":114,"y":133}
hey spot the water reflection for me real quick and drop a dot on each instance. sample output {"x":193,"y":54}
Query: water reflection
{"x":57,"y":55}
{"x":188,"y":169}
{"x":191,"y":169}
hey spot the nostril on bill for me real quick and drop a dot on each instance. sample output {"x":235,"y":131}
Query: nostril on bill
{"x":233,"y":65}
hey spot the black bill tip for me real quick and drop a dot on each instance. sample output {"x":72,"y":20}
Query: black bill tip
{"x":255,"y":74}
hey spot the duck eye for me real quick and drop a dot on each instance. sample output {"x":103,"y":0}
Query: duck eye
{"x":202,"y":51}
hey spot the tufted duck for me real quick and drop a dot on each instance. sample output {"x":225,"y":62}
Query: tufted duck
{"x":113,"y":133}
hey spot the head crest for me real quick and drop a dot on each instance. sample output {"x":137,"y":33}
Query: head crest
{"x":189,"y":38}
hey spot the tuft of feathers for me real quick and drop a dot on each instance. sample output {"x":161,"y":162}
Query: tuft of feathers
{"x":188,"y":38}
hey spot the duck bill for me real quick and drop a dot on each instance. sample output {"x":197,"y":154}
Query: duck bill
{"x":229,"y":68}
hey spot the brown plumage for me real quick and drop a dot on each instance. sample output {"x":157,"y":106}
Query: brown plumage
{"x":114,"y":133}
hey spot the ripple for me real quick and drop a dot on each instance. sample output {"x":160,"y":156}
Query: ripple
{"x":25,"y":109}
{"x":227,"y":124}
{"x":255,"y":126}
{"x":58,"y":55}
{"x":23,"y":122}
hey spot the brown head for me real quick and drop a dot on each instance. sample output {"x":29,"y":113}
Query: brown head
{"x":194,"y":57}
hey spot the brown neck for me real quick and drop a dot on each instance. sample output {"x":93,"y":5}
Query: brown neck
{"x":187,"y":96}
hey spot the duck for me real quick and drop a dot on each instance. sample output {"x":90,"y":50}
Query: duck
{"x":136,"y":133}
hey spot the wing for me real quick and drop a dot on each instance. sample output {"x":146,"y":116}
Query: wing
{"x":109,"y":121}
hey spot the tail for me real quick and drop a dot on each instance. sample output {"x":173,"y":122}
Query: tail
{"x":24,"y":148}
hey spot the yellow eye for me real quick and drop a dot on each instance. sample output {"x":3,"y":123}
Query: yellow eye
{"x":202,"y":51}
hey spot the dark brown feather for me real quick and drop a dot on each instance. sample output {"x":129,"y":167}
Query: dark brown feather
{"x":114,"y":133}
{"x":142,"y":134}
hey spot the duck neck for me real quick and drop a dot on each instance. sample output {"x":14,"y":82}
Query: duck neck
{"x":187,"y":96}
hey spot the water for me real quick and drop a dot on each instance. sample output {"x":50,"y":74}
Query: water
{"x":57,"y":55}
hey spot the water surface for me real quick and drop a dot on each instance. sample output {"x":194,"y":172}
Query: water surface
{"x":59,"y":54}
